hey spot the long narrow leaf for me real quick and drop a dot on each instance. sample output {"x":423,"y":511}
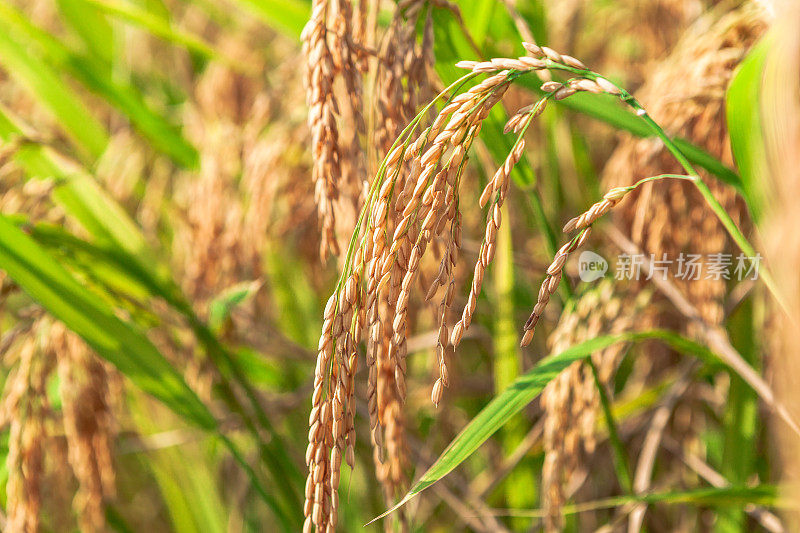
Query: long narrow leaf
{"x":766,"y":495}
{"x":121,"y":344}
{"x":92,"y":27}
{"x":522,"y":392}
{"x":743,"y":114}
{"x":48,"y":88}
{"x":607,"y":109}
{"x":155,"y":25}
{"x":97,"y":76}
{"x":288,"y":16}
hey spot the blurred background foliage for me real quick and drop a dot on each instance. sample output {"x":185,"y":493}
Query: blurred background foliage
{"x":162,"y":291}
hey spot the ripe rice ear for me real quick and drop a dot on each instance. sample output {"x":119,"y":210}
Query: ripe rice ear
{"x":685,"y":95}
{"x":412,"y":199}
{"x":571,"y":402}
{"x":25,"y":409}
{"x":88,"y":427}
{"x":331,"y":57}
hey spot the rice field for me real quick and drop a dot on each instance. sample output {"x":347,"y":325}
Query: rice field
{"x":402,"y":266}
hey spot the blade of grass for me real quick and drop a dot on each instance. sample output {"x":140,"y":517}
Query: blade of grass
{"x":766,"y":495}
{"x":740,"y":425}
{"x":92,"y":27}
{"x":98,"y":77}
{"x":223,"y":304}
{"x":294,"y":296}
{"x":522,"y":392}
{"x":101,"y":262}
{"x":116,"y":522}
{"x":477,"y":15}
{"x":743,"y":113}
{"x":157,"y":26}
{"x":621,"y":466}
{"x":45,"y":84}
{"x":184,"y":475}
{"x":604,"y":108}
{"x":287,"y":16}
{"x":507,"y":366}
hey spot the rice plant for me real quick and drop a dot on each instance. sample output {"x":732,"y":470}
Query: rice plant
{"x":296,"y":265}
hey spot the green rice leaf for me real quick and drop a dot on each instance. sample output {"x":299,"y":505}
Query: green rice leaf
{"x":91,"y":26}
{"x":45,"y":84}
{"x":477,"y":15}
{"x":524,"y":389}
{"x":766,"y":495}
{"x":220,"y":308}
{"x":155,"y":25}
{"x":286,"y":16}
{"x":744,"y":118}
{"x":120,"y":343}
{"x":607,"y":109}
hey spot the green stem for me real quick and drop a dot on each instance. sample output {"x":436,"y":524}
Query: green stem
{"x":723,"y":216}
{"x":256,"y":483}
{"x":620,"y":462}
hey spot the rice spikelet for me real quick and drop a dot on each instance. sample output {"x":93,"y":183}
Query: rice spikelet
{"x":87,"y":425}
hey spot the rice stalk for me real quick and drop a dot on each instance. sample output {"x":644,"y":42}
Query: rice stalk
{"x":418,"y":181}
{"x":582,"y":223}
{"x":658,"y":215}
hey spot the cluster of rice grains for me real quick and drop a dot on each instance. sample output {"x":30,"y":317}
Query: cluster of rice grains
{"x":57,"y":439}
{"x":332,"y":54}
{"x":401,"y":82}
{"x":413,"y":200}
{"x":41,"y":463}
{"x":571,"y":401}
{"x":402,"y":75}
